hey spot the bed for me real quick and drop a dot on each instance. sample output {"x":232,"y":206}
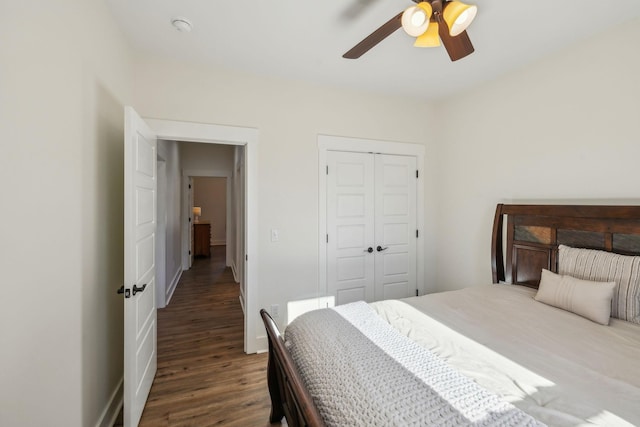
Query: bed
{"x":555,"y":340}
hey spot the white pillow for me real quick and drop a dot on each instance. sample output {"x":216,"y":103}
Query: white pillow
{"x":601,"y":266}
{"x":583,"y":297}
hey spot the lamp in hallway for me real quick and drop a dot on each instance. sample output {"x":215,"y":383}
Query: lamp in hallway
{"x":197,"y":211}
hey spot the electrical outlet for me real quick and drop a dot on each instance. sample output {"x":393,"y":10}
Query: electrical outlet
{"x":275,"y":309}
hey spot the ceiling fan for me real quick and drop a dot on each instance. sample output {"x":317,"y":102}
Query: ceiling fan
{"x":429,"y":21}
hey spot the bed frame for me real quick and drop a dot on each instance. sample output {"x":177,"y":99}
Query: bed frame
{"x":531,"y":234}
{"x":534,"y":232}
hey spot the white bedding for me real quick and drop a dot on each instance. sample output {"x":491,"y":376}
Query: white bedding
{"x":560,"y":368}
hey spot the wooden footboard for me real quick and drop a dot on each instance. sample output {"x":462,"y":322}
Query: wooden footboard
{"x":289,"y":396}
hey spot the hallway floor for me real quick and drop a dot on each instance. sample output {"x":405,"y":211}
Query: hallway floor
{"x":204,"y":378}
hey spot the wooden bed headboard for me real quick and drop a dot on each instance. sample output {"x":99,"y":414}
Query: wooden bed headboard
{"x":534,"y":232}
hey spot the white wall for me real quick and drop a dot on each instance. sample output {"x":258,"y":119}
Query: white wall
{"x":207,"y":157}
{"x":170,"y":152}
{"x":236,"y":221}
{"x":565,"y":128}
{"x":62,"y":89}
{"x":289,"y":116}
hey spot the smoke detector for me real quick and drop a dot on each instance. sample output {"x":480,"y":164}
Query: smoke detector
{"x":182,"y":24}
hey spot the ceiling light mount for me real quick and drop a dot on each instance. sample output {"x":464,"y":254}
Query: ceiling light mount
{"x":182,"y":24}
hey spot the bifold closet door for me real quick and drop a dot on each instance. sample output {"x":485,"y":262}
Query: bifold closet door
{"x":371,"y":226}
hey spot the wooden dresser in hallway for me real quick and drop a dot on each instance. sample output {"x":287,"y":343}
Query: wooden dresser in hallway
{"x":202,"y":239}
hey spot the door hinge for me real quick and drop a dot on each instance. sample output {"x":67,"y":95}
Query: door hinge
{"x":246,"y":257}
{"x":417,"y":174}
{"x":327,"y":169}
{"x":189,"y":186}
{"x":416,"y":292}
{"x":189,"y":219}
{"x":189,"y":252}
{"x":417,"y":234}
{"x":327,"y":238}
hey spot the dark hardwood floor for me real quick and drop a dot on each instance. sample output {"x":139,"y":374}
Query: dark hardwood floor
{"x":204,"y":378}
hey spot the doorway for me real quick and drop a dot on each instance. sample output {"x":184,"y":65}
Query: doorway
{"x":141,"y":143}
{"x":247,"y":138}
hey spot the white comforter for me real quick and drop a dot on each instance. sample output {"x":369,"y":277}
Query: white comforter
{"x":559,"y":367}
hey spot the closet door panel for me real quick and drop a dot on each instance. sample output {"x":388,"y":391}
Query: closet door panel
{"x":350,"y":226}
{"x":395,"y":226}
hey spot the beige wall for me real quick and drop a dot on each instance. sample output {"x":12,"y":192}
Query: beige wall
{"x":211,"y":195}
{"x":563,"y":129}
{"x":64,"y":76}
{"x":289,"y":116}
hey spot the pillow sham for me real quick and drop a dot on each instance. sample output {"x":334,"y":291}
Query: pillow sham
{"x":583,"y":297}
{"x":601,"y":266}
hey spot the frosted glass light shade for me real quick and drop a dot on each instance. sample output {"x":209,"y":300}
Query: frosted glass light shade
{"x":458,"y":16}
{"x":415,"y":19}
{"x":430,"y":38}
{"x":197,"y":210}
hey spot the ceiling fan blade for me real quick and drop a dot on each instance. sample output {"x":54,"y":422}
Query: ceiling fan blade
{"x":457,"y":47}
{"x":374,"y":38}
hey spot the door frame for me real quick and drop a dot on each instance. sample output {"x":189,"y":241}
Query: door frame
{"x":186,"y":229}
{"x":359,"y":145}
{"x":230,"y":135}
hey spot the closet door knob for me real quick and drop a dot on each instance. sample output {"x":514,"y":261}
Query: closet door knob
{"x":369,"y":249}
{"x":380,"y":248}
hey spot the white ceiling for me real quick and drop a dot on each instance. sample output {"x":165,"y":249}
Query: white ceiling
{"x":304,"y":41}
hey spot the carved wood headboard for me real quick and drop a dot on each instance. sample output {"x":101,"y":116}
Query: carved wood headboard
{"x":534,"y":232}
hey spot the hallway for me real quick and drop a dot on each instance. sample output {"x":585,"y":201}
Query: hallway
{"x":204,"y":378}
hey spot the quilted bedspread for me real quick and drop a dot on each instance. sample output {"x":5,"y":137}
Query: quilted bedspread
{"x":361,"y":371}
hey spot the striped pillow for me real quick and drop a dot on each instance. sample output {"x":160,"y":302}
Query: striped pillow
{"x":600,"y":266}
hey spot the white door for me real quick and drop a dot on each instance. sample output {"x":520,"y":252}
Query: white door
{"x":140,"y":192}
{"x":371,"y":226}
{"x":350,"y":226}
{"x":395,"y":226}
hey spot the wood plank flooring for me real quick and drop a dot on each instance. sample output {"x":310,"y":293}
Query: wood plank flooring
{"x":204,"y":378}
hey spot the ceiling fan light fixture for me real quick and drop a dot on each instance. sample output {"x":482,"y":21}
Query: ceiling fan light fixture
{"x":458,"y":16}
{"x":430,"y":38}
{"x":415,"y":19}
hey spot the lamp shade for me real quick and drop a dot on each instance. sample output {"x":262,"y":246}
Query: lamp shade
{"x":415,"y":19}
{"x":430,"y":38}
{"x":197,"y":210}
{"x":458,"y":16}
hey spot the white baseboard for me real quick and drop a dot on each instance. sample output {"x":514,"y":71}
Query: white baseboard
{"x":241,"y":303}
{"x":234,"y":271}
{"x":262,"y":344}
{"x":111,"y":411}
{"x":174,"y":284}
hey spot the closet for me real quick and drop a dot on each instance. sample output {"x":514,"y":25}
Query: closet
{"x":371,"y":226}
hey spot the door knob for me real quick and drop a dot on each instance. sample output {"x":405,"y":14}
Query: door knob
{"x":126,"y":292}
{"x":380,"y":248}
{"x":369,"y":249}
{"x":137,"y":289}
